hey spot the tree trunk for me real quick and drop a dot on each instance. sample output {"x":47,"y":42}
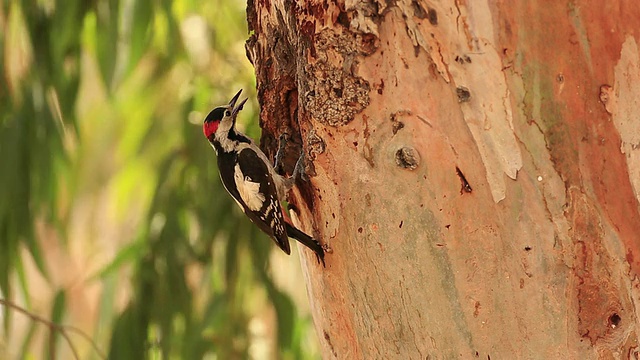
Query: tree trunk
{"x":474,"y":166}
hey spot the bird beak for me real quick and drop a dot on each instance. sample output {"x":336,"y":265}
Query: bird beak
{"x":235,"y":98}
{"x":232,"y":103}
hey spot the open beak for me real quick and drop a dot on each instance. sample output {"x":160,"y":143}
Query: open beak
{"x":235,"y":98}
{"x":232,"y":103}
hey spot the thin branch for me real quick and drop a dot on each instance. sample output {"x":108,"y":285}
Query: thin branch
{"x":63,"y":329}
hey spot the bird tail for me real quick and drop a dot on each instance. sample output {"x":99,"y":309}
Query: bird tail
{"x":306,"y":240}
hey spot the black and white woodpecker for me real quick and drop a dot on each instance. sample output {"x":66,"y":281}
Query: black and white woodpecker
{"x":251,"y":180}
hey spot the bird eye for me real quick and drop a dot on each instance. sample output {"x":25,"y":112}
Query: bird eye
{"x":227,"y":113}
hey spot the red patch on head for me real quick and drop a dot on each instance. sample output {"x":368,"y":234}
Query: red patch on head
{"x":209,"y":128}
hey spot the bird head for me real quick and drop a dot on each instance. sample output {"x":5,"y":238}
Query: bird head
{"x":222,"y":118}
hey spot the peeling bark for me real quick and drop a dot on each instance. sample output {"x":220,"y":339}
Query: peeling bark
{"x":474,"y":167}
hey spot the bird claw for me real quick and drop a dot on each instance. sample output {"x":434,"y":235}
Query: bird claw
{"x":327,"y":249}
{"x":299,"y":170}
{"x":283,"y":139}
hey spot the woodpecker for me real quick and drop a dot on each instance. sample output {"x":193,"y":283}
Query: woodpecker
{"x":251,"y":180}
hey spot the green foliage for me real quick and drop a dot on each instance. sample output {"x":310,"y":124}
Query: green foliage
{"x":56,"y":317}
{"x":101,"y":105}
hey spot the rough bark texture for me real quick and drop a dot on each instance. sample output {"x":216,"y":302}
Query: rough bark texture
{"x":475,"y":169}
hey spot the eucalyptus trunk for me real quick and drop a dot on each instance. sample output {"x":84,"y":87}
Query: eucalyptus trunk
{"x":474,"y":167}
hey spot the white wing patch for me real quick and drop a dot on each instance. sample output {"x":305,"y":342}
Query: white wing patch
{"x":249,"y":190}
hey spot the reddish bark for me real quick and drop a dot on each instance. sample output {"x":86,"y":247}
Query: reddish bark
{"x":397,"y":105}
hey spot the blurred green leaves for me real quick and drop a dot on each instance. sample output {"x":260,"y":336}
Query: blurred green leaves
{"x":111,"y":190}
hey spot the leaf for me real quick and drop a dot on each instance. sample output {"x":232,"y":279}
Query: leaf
{"x":17,"y":52}
{"x":140,"y":31}
{"x":57,"y":311}
{"x":23,"y":282}
{"x":26,"y":341}
{"x":128,"y":340}
{"x":107,"y":40}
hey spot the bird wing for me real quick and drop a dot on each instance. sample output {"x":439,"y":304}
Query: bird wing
{"x":257,"y":195}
